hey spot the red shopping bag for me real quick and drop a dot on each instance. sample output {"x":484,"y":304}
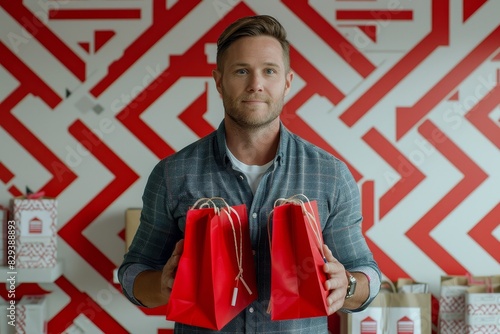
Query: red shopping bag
{"x":216,"y":278}
{"x":297,"y":259}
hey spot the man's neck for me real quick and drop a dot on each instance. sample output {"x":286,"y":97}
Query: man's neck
{"x":253,"y":146}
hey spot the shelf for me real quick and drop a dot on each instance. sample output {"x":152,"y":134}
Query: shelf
{"x":33,"y":275}
{"x":115,"y":276}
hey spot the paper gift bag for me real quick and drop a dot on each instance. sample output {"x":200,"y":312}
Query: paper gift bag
{"x":216,"y":277}
{"x":394,"y":313}
{"x":482,"y":305}
{"x":297,"y":260}
{"x":452,"y":305}
{"x":458,"y":299}
{"x":36,"y":231}
{"x":482,"y":315}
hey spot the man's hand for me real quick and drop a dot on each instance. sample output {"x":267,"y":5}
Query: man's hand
{"x":336,"y":281}
{"x":170,"y":268}
{"x":153,"y":287}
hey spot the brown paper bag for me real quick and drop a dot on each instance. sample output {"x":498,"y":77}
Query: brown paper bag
{"x":393,"y":313}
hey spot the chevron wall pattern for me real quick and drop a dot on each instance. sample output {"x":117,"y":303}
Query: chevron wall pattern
{"x":407,"y":93}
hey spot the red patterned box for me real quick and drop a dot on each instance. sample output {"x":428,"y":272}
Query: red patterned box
{"x":483,"y":313}
{"x":4,"y":217}
{"x":31,"y":315}
{"x":36,"y":232}
{"x":452,"y":305}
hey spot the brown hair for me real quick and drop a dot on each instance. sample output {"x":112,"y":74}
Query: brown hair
{"x":260,"y":25}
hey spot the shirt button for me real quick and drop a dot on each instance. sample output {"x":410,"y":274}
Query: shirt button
{"x":241,"y":177}
{"x":251,"y":310}
{"x":254,"y":215}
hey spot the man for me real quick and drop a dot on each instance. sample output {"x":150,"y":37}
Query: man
{"x":252,"y":159}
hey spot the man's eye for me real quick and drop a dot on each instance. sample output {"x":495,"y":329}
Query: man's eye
{"x":270,"y":71}
{"x":241,"y":71}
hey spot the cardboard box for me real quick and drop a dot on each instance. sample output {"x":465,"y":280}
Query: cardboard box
{"x":4,"y":217}
{"x":469,"y":304}
{"x":31,"y":315}
{"x":132,"y":221}
{"x":36,"y":232}
{"x":7,"y":320}
{"x":482,"y":311}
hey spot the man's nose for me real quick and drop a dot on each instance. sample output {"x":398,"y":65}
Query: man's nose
{"x":255,"y":82}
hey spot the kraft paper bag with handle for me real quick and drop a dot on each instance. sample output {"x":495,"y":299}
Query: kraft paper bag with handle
{"x":393,"y":312}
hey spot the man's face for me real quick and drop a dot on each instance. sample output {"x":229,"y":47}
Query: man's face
{"x":253,"y":82}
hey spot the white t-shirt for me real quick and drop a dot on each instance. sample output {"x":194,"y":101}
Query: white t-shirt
{"x":252,"y":172}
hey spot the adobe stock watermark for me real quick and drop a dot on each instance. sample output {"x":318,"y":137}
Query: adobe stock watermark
{"x":12,"y":282}
{"x":417,"y":157}
{"x":259,"y":313}
{"x":93,"y":307}
{"x":224,"y":6}
{"x":455,"y":114}
{"x":149,"y":82}
{"x":74,"y":156}
{"x":454,"y":117}
{"x":124,"y":103}
{"x":30,"y":27}
{"x":381,"y":20}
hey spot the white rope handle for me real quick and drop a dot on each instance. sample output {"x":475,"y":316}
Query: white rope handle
{"x":298,"y":199}
{"x":204,"y":203}
{"x":239,"y":253}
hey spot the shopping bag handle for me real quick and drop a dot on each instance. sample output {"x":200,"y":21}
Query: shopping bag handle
{"x":301,"y":199}
{"x":239,"y":252}
{"x":206,"y":202}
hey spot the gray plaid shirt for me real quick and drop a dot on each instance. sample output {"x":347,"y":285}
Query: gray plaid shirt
{"x":203,"y":169}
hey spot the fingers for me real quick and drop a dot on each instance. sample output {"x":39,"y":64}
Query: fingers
{"x":336,"y":282}
{"x":171,"y":265}
{"x":328,"y":254}
{"x":179,"y":247}
{"x":332,"y":267}
{"x":335,"y":301}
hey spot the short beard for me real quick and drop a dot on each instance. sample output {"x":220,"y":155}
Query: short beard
{"x":251,"y":124}
{"x":247,"y":121}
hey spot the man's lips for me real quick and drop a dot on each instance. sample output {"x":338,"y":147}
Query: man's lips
{"x":254,"y":99}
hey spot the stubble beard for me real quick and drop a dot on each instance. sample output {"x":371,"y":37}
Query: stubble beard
{"x":251,"y":118}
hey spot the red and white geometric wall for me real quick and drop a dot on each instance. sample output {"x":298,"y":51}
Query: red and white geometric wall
{"x":407,"y":93}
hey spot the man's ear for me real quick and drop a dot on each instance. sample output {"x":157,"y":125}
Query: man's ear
{"x":288,"y":81}
{"x":217,"y":75}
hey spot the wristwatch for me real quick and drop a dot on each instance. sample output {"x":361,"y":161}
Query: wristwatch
{"x":351,"y":285}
